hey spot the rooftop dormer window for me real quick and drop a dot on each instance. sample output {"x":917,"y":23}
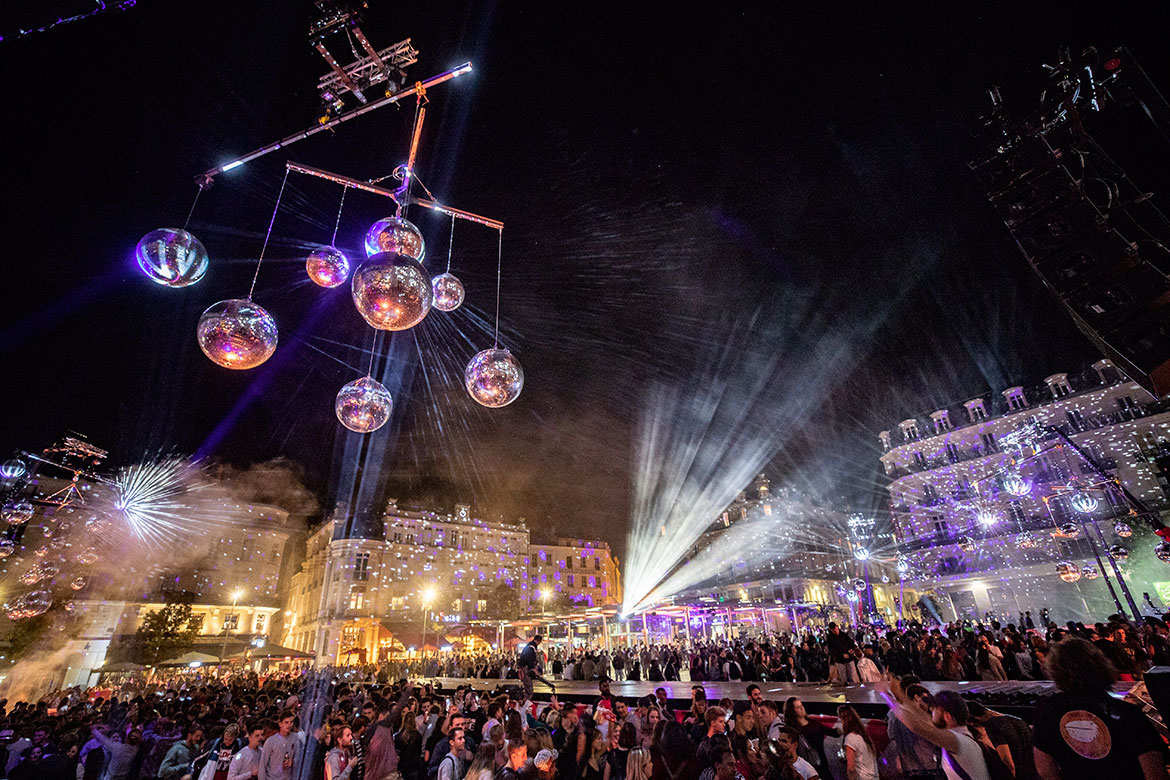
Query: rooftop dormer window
{"x":1015,"y":399}
{"x":1058,"y":385}
{"x":941,"y":419}
{"x":976,"y":411}
{"x":909,"y":430}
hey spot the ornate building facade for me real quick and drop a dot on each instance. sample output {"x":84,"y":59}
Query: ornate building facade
{"x":986,"y":512}
{"x":579,"y":570}
{"x":365,"y":598}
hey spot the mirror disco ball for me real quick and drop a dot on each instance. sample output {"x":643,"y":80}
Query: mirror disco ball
{"x":17,"y":512}
{"x":1118,"y":552}
{"x":903,"y":566}
{"x":967,"y":544}
{"x":13,"y":469}
{"x":363,"y":405}
{"x":1084,"y":502}
{"x":87,"y":556}
{"x":494,"y":378}
{"x":78,"y":583}
{"x":448,"y":291}
{"x":1162,"y":551}
{"x":1016,"y":485}
{"x":171,"y":257}
{"x":861,"y":554}
{"x":859,"y":585}
{"x":391,"y":291}
{"x":327,"y":266}
{"x":1068,"y":571}
{"x":7,"y":547}
{"x":396,"y":236}
{"x":1122,"y":529}
{"x":237,"y":333}
{"x":1090,"y":572}
{"x":1070,"y":530}
{"x":1026,"y":541}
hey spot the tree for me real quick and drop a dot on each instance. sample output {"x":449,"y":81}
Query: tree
{"x":502,"y":603}
{"x":169,"y":631}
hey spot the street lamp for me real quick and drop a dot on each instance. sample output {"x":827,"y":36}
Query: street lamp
{"x":428,"y":594}
{"x":236,"y":595}
{"x":544,"y":594}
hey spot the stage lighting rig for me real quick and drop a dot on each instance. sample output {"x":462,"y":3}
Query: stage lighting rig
{"x":380,"y":69}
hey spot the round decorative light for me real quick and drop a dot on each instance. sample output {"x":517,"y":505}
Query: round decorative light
{"x":1016,"y":485}
{"x":448,"y":292}
{"x":397,"y":236}
{"x":1026,"y":541}
{"x":237,"y":333}
{"x":392,"y":291}
{"x":852,"y":596}
{"x":171,"y":257}
{"x":1084,"y":502}
{"x":1068,"y":571}
{"x":327,"y":266}
{"x":1122,"y":529}
{"x":363,"y":405}
{"x":859,"y":585}
{"x":87,"y":556}
{"x":1119,"y":552}
{"x":17,"y":512}
{"x":7,"y":547}
{"x":1162,"y":551}
{"x":861,"y":553}
{"x":13,"y":469}
{"x":967,"y":544}
{"x":78,"y":583}
{"x":1090,"y":572}
{"x":494,"y":378}
{"x":1070,"y":529}
{"x":903,"y":566}
{"x":886,"y":579}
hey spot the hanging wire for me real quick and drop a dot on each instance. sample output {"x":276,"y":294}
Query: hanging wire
{"x":450,"y":243}
{"x":186,"y":222}
{"x":268,"y":235}
{"x":499,"y":269}
{"x":337,"y":225}
{"x":373,"y":352}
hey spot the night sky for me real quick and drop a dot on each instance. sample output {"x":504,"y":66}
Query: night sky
{"x":664,"y":176}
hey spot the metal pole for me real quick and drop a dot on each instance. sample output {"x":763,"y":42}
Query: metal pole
{"x":365,"y":186}
{"x":205,"y":179}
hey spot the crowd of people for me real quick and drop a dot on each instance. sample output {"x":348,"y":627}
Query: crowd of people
{"x":371,"y":724}
{"x":955,"y":651}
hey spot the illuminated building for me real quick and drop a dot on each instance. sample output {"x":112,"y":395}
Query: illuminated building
{"x":978,"y":513}
{"x":582,"y":570}
{"x":367,"y":597}
{"x":784,"y":548}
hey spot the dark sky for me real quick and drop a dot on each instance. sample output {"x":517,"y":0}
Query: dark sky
{"x":663,"y":174}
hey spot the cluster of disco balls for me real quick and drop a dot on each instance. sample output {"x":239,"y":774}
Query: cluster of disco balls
{"x":48,"y":563}
{"x":391,"y":290}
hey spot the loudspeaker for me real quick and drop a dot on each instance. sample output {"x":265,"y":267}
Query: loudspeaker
{"x":1158,"y":684}
{"x":1117,"y":299}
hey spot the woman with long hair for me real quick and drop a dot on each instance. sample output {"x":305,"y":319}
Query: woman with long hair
{"x":860,"y":755}
{"x":649,"y":723}
{"x":639,"y":764}
{"x":339,"y":761}
{"x":483,"y":766}
{"x":812,"y":732}
{"x":617,"y":759}
{"x":408,"y":744}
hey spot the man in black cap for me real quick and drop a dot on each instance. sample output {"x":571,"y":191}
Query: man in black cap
{"x":528,"y":665}
{"x":945,"y":727}
{"x":1011,"y":737}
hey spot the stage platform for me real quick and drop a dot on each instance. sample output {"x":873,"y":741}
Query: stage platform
{"x":1015,"y":698}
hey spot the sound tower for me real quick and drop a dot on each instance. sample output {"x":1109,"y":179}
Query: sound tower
{"x":1037,"y":172}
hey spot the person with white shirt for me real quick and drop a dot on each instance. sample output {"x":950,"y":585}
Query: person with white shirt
{"x":945,"y":727}
{"x":787,"y":739}
{"x":245,"y":765}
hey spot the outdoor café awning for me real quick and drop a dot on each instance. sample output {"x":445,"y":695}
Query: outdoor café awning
{"x":269,"y":650}
{"x":189,"y":658}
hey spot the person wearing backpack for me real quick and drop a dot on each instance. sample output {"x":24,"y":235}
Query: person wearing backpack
{"x":963,"y":757}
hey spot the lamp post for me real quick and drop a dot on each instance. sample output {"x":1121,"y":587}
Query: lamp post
{"x":223,"y":649}
{"x":428,"y":597}
{"x":544,"y":594}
